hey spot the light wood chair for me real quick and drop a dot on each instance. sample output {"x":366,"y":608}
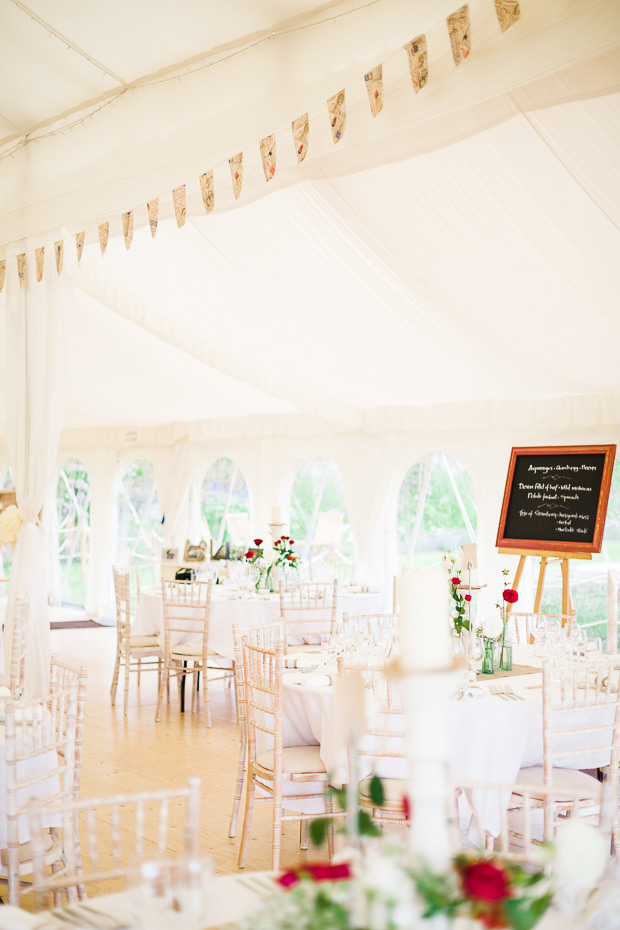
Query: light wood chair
{"x":581,"y":725}
{"x":64,"y":677}
{"x":382,"y":744}
{"x":40,"y":744}
{"x":308,"y":610}
{"x":187,"y":605}
{"x":257,"y":636}
{"x":273,"y":769}
{"x":523,"y":829}
{"x":521,"y":624}
{"x":369,"y":625}
{"x":395,"y":602}
{"x":19,"y":642}
{"x":117,"y":833}
{"x":134,"y":653}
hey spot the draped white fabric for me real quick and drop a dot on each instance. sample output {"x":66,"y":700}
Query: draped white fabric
{"x":37,"y":351}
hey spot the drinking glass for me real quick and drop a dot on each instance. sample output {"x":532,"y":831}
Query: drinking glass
{"x":150,"y":894}
{"x":191,"y":886}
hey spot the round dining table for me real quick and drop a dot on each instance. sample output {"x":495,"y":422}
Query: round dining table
{"x":230,"y":607}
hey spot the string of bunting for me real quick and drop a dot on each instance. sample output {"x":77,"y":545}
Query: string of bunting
{"x":458,"y":24}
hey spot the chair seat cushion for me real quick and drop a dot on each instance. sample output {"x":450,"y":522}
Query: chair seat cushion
{"x":296,"y":760}
{"x":24,"y":851}
{"x":189,"y":649}
{"x":139,"y":642}
{"x":566,"y":784}
{"x":394,"y":790}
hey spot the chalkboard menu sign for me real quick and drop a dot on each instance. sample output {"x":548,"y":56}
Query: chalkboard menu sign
{"x":556,"y":498}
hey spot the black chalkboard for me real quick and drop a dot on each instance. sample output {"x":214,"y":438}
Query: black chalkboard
{"x":556,"y":498}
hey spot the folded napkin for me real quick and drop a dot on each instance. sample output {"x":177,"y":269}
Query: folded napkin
{"x":318,"y":681}
{"x":473,"y":692}
{"x":301,"y":660}
{"x":14,"y":918}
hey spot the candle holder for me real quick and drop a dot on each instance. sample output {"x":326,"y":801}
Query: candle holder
{"x":425,"y":696}
{"x":276,"y":529}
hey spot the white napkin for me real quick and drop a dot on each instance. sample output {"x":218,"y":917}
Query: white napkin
{"x":13,"y":918}
{"x":318,"y":681}
{"x":473,"y":692}
{"x":4,"y":692}
{"x":301,"y":660}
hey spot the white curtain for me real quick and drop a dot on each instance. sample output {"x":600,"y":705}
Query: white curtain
{"x":174,"y":473}
{"x":37,"y":353}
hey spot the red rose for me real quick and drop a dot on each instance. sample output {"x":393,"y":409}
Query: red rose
{"x":277,"y":543}
{"x":291,"y":542}
{"x":485,"y":881}
{"x":319,"y":873}
{"x":468,"y":597}
{"x":285,"y":537}
{"x":249,"y":554}
{"x":406,"y":807}
{"x":289,"y":556}
{"x":456,"y":581}
{"x":258,"y":542}
{"x":510,"y":595}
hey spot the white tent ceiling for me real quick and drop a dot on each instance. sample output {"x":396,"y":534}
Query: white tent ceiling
{"x":464,"y":250}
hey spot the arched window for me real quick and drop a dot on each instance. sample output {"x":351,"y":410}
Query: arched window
{"x":140,"y":536}
{"x":319,"y":518}
{"x":225,"y":505}
{"x":436,"y":511}
{"x":73,"y":525}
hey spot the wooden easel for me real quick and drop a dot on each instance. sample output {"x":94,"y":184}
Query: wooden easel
{"x":545,"y":555}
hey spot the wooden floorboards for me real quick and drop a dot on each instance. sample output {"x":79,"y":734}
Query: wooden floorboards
{"x":133,"y":753}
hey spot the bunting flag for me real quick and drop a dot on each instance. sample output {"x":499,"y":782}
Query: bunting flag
{"x":301,"y":128}
{"x":2,"y":274}
{"x":79,"y":245}
{"x":39,"y":258}
{"x":128,"y":227}
{"x":236,"y":173}
{"x":58,"y":252}
{"x":337,"y":109}
{"x":417,"y":54}
{"x":374,"y":86}
{"x":459,"y":30}
{"x":21,"y":267}
{"x":508,"y":13}
{"x":207,"y":191}
{"x":153,"y":211}
{"x":104,"y":232}
{"x":268,"y":156}
{"x":178,"y":195}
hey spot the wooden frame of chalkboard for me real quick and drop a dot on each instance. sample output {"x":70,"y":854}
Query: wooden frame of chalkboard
{"x":556,"y":498}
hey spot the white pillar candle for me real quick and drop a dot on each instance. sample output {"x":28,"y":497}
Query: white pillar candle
{"x":276,"y":515}
{"x":425,"y":640}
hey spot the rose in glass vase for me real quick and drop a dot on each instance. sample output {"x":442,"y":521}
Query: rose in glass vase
{"x":255,"y":556}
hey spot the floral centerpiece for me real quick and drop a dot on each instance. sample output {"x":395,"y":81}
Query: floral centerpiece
{"x":256,"y":557}
{"x":10,"y":525}
{"x":491,"y":631}
{"x":284,"y":556}
{"x":509,"y":596}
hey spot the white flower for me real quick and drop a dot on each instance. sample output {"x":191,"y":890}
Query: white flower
{"x":581,"y":854}
{"x":10,"y":525}
{"x":492,"y":626}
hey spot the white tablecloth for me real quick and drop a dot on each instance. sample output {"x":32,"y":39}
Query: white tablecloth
{"x":236,"y":898}
{"x":490,"y":738}
{"x":228,"y":609}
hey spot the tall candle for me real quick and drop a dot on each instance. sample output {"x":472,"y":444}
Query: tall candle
{"x":276,"y":515}
{"x":425,"y":640}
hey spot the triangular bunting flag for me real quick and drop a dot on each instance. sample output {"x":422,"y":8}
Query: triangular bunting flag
{"x":79,"y":245}
{"x":374,"y":86}
{"x":301,"y":128}
{"x":207,"y":191}
{"x":39,"y":258}
{"x":236,"y":173}
{"x":2,"y":273}
{"x":21,"y":267}
{"x":178,"y":195}
{"x":268,"y":156}
{"x":417,"y":54}
{"x":58,"y":252}
{"x":104,"y":232}
{"x":459,"y":30}
{"x":508,"y":13}
{"x":153,"y":211}
{"x":128,"y":227}
{"x":337,"y":110}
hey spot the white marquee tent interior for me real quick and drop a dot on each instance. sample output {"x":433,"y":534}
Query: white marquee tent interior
{"x":445,"y":278}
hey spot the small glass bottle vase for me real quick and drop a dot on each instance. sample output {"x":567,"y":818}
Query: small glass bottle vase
{"x":505,"y":657}
{"x":488,"y":657}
